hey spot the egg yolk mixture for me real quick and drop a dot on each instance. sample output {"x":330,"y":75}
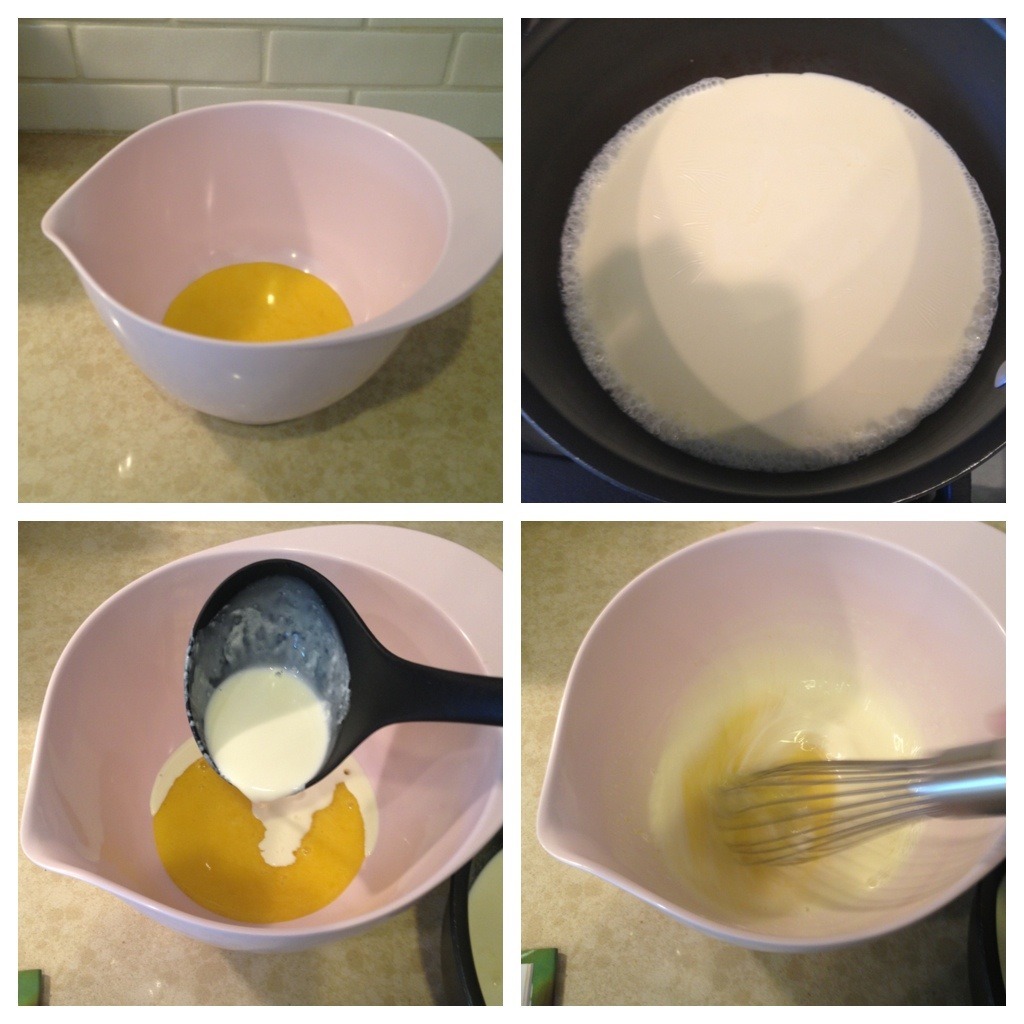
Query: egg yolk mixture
{"x":765,"y":726}
{"x":258,"y":302}
{"x":209,"y":842}
{"x":723,"y":760}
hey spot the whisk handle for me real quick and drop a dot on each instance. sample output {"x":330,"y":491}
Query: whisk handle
{"x":967,"y":782}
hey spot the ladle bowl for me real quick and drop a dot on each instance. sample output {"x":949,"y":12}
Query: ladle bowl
{"x":383,"y":688}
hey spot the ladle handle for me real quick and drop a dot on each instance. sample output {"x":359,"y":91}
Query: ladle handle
{"x":441,"y":695}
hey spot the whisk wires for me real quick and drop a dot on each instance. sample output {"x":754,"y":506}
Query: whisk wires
{"x":810,"y":809}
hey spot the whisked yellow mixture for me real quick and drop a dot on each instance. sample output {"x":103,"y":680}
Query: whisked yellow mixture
{"x":765,"y":726}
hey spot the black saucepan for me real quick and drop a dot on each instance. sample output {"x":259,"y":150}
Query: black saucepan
{"x":984,"y":964}
{"x":458,"y":970}
{"x":583,"y":80}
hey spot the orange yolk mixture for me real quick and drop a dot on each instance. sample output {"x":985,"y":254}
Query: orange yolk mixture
{"x":209,"y":842}
{"x":258,"y":302}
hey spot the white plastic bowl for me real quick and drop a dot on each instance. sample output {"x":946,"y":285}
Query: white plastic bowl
{"x":898,"y":616}
{"x":401,"y":215}
{"x":115,"y":710}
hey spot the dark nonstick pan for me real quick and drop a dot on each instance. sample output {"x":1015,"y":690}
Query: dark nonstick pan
{"x":583,"y":80}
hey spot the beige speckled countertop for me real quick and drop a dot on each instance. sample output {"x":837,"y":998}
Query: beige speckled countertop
{"x":93,"y":948}
{"x":615,"y":949}
{"x":427,"y":427}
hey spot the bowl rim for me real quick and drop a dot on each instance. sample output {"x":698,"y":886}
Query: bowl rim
{"x":457,"y":164}
{"x":381,"y":549}
{"x":933,"y":550}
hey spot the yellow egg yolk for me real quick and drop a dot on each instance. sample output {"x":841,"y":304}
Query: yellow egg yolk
{"x":775,"y":818}
{"x":209,"y":842}
{"x":722,"y":761}
{"x":759,"y":706}
{"x":258,"y":302}
{"x":709,"y":849}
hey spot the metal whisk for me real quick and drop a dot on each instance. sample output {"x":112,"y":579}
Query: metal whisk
{"x":805,"y":810}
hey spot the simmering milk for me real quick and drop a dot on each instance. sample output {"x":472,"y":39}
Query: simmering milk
{"x":779,"y":272}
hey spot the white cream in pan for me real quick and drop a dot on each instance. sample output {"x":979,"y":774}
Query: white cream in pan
{"x":779,"y":272}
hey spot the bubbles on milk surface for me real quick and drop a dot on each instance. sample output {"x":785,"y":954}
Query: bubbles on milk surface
{"x":779,"y":272}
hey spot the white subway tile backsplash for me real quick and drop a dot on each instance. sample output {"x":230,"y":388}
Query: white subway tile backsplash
{"x":86,"y":106}
{"x":190,"y":96}
{"x":435,"y":22}
{"x":477,"y":114}
{"x":358,"y":58}
{"x":140,"y":52}
{"x":302,"y":22}
{"x":44,"y":51}
{"x":477,"y":59}
{"x":119,"y":74}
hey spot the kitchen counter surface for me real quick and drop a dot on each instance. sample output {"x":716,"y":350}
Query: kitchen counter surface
{"x":94,"y":949}
{"x":426,"y":427}
{"x":615,"y":949}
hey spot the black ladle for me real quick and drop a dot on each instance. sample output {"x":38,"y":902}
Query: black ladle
{"x":384,"y":688}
